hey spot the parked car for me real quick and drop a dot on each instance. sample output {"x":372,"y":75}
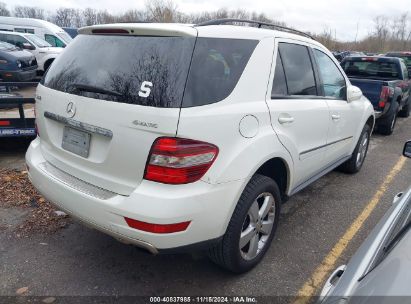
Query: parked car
{"x":41,"y":49}
{"x":386,"y":84}
{"x":338,"y":56}
{"x":192,"y":136}
{"x":379,"y":272}
{"x":73,"y":32}
{"x":16,"y":64}
{"x":404,"y":55}
{"x":48,"y":31}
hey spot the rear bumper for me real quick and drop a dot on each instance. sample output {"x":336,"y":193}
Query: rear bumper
{"x":18,"y":75}
{"x":207,"y":207}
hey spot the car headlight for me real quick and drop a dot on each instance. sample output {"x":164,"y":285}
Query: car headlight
{"x":18,"y":63}
{"x":2,"y":61}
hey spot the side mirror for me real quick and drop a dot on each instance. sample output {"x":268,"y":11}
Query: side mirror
{"x":407,"y":149}
{"x":28,"y":46}
{"x":353,"y":93}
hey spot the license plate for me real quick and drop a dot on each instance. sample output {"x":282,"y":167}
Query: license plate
{"x":76,"y":141}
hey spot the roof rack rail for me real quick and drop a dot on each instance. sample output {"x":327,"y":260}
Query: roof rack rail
{"x":260,"y":24}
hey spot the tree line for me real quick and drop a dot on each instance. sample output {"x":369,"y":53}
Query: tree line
{"x":386,"y":35}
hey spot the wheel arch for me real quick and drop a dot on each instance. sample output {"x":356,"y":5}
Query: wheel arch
{"x":277,"y":169}
{"x":47,"y":64}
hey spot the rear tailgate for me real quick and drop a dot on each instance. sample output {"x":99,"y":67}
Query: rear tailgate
{"x":370,"y":88}
{"x":102,"y":107}
{"x":116,"y":162}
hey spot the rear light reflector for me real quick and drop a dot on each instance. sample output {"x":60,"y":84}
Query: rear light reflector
{"x":157,"y":228}
{"x":179,"y":161}
{"x":4,"y":123}
{"x":110,"y":31}
{"x":369,"y":59}
{"x":386,"y":93}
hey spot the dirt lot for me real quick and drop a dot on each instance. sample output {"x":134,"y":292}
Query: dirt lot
{"x":68,"y":259}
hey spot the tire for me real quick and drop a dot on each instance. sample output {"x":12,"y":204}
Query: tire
{"x":387,"y":125}
{"x":261,"y":191}
{"x":354,"y":164}
{"x":405,"y":111}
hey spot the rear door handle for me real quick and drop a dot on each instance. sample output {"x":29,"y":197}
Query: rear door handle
{"x":285,"y":119}
{"x":335,"y":117}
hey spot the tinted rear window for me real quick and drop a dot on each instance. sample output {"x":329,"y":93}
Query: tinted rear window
{"x":151,"y":71}
{"x":298,"y":69}
{"x":216,"y":68}
{"x":371,"y":69}
{"x":148,"y":71}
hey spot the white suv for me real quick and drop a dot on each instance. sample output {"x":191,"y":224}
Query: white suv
{"x":183,"y":137}
{"x":41,"y":49}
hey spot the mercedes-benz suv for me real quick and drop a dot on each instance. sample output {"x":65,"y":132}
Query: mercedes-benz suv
{"x":182,"y":137}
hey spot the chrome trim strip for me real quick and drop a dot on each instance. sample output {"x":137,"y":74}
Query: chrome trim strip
{"x":78,"y":124}
{"x":76,"y":183}
{"x":326,"y":145}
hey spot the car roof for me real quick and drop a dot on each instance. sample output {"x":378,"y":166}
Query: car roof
{"x":178,"y":29}
{"x":17,"y":21}
{"x":15,"y":33}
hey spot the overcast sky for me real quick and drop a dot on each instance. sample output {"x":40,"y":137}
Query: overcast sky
{"x":342,"y":16}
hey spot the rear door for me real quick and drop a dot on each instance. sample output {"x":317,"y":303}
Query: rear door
{"x":106,"y":99}
{"x":298,"y":115}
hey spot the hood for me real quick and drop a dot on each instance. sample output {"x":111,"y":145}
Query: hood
{"x":17,"y":54}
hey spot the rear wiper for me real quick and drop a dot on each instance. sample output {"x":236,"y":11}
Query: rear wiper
{"x":94,"y":89}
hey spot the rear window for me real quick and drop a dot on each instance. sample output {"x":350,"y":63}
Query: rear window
{"x":150,"y":71}
{"x":371,"y":69}
{"x":298,"y":69}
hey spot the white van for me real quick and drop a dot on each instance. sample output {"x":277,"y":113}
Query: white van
{"x":50,"y":32}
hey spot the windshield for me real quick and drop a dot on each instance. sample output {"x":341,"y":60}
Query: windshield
{"x":37,"y":41}
{"x":66,"y":37}
{"x":4,"y":46}
{"x":371,"y":69}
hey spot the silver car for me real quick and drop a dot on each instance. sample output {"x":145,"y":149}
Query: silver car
{"x":380,"y":270}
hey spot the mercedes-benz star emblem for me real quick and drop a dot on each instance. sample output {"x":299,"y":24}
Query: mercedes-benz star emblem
{"x":71,"y":109}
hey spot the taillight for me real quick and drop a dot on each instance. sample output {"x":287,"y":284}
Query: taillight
{"x":386,"y":93}
{"x":179,"y":161}
{"x":109,"y":31}
{"x":4,"y":123}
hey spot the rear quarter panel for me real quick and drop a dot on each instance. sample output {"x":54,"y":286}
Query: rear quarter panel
{"x":219,"y":123}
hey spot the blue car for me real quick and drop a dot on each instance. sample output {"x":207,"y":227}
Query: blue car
{"x":16,"y":64}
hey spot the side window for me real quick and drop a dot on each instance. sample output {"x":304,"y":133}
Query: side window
{"x":53,"y":40}
{"x":24,"y":30}
{"x":16,"y":40}
{"x":298,"y":69}
{"x":333,"y":82}
{"x":279,"y":82}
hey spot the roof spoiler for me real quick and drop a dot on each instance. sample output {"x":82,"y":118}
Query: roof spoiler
{"x":141,"y":29}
